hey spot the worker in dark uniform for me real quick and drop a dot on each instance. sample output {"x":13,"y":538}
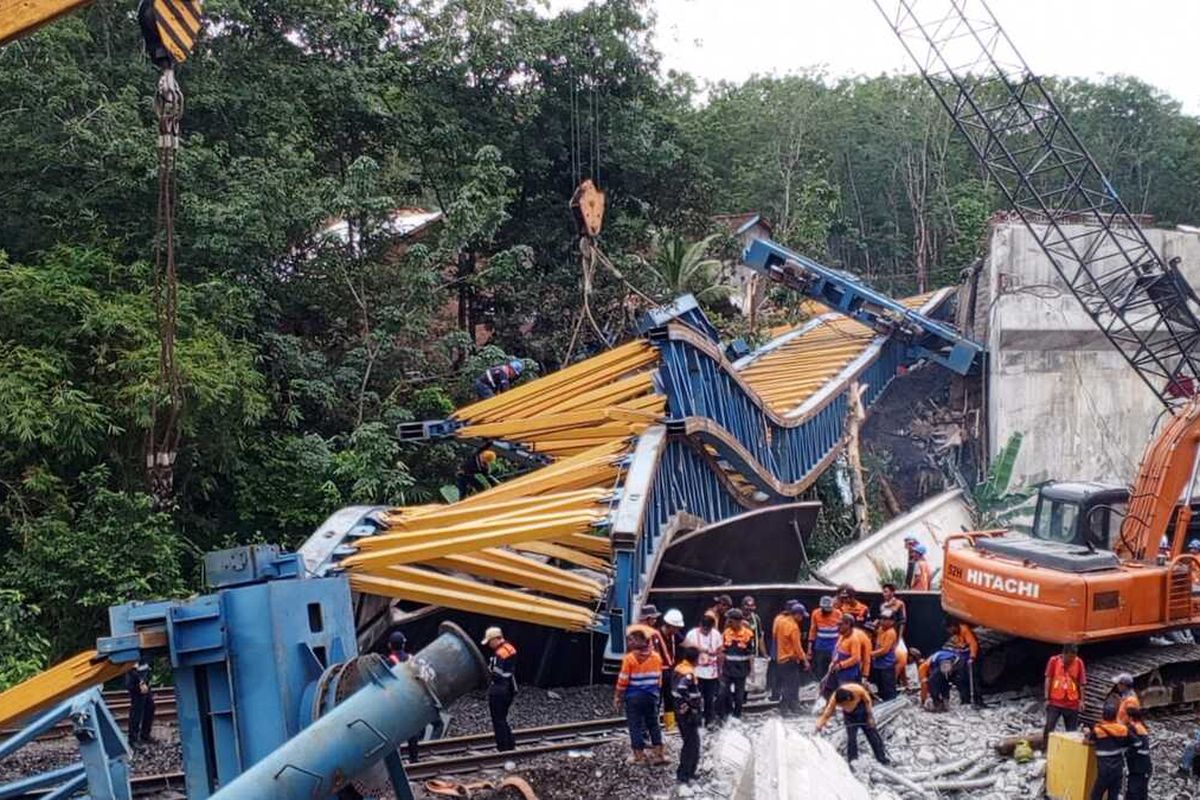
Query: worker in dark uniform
{"x":689,"y":710}
{"x":141,"y":704}
{"x":398,"y":654}
{"x":495,"y":380}
{"x":1137,"y":757}
{"x":475,"y":473}
{"x":503,"y":688}
{"x":1111,"y":739}
{"x":739,"y":650}
{"x":855,"y":702}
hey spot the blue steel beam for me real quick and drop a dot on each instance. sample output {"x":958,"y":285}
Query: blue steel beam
{"x":846,"y":293}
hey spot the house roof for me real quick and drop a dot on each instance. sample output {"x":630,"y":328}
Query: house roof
{"x":402,"y":222}
{"x":741,"y":222}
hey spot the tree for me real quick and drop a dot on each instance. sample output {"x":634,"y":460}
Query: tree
{"x":681,"y":268}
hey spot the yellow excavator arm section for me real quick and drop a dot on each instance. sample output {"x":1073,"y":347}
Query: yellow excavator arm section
{"x":20,"y":17}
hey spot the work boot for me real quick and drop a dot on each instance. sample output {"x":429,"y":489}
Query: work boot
{"x":638,"y":757}
{"x":657,"y":756}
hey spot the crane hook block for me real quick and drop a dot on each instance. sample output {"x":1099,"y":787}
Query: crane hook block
{"x":587,"y":204}
{"x":170,"y":28}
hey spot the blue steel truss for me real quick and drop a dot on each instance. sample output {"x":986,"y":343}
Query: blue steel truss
{"x":846,"y":293}
{"x":719,"y":429}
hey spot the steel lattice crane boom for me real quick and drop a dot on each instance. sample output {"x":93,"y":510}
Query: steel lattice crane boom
{"x":1094,"y":569}
{"x":1140,"y":302}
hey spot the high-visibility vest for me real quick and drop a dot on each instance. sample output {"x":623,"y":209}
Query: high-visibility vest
{"x":1064,"y":682}
{"x":641,"y":674}
{"x":1112,"y":738}
{"x":823,"y":630}
{"x":739,"y":644}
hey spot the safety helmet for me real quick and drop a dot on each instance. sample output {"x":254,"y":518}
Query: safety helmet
{"x":910,"y":539}
{"x":1123,"y":679}
{"x":734,"y":613}
{"x":920,"y":549}
{"x":826,"y":603}
{"x":516,"y":365}
{"x":1194,"y":544}
{"x":674,"y":618}
{"x":487,"y":456}
{"x":396,"y":640}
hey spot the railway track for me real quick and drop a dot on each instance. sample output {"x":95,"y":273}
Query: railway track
{"x":457,"y":755}
{"x":118,"y":704}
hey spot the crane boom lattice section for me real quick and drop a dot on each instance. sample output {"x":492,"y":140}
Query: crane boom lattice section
{"x":1141,"y":303}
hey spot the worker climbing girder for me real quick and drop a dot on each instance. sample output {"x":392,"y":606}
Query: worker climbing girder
{"x":1141,"y":303}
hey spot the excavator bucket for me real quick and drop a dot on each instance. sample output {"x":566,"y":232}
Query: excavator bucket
{"x":170,"y":28}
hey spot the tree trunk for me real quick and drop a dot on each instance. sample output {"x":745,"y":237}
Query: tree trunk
{"x":858,"y":487}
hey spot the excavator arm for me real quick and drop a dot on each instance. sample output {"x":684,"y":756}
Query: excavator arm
{"x":1168,"y":470}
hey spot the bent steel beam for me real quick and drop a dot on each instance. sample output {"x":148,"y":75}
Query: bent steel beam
{"x":846,"y":293}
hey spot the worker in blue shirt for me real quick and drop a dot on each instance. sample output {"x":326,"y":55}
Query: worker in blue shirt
{"x":495,"y":380}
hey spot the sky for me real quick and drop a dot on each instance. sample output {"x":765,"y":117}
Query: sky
{"x":733,"y":39}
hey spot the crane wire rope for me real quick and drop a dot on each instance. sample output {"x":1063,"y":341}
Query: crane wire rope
{"x":164,"y":433}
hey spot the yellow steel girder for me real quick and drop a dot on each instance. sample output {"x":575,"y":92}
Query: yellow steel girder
{"x":56,"y":684}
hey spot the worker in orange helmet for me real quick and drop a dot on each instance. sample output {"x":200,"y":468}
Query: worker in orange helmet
{"x":855,"y":702}
{"x":475,"y":473}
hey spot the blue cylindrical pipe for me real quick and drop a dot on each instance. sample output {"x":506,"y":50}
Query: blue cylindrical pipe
{"x":393,"y":705}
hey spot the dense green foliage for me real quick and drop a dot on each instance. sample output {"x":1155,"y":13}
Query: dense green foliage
{"x":301,"y":352}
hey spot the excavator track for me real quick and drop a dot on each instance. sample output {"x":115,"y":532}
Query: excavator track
{"x":1164,"y":675}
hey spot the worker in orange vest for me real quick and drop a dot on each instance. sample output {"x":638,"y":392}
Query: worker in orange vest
{"x":922,"y":578}
{"x":1111,"y":739}
{"x":847,"y":665}
{"x":689,"y":711}
{"x":1121,"y":697}
{"x":1137,"y":757}
{"x":962,"y":641}
{"x":1066,"y":679}
{"x":503,"y":687}
{"x":739,"y":650}
{"x":790,"y":657}
{"x":855,"y":702}
{"x":883,"y":657}
{"x":848,"y":603}
{"x":823,"y":637}
{"x":638,"y":685}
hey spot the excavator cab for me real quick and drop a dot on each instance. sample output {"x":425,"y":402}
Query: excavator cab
{"x":1084,"y":514}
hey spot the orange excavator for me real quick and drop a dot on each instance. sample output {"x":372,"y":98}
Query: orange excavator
{"x":1105,"y":566}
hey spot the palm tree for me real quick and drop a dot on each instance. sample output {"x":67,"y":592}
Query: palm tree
{"x":684,"y":269}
